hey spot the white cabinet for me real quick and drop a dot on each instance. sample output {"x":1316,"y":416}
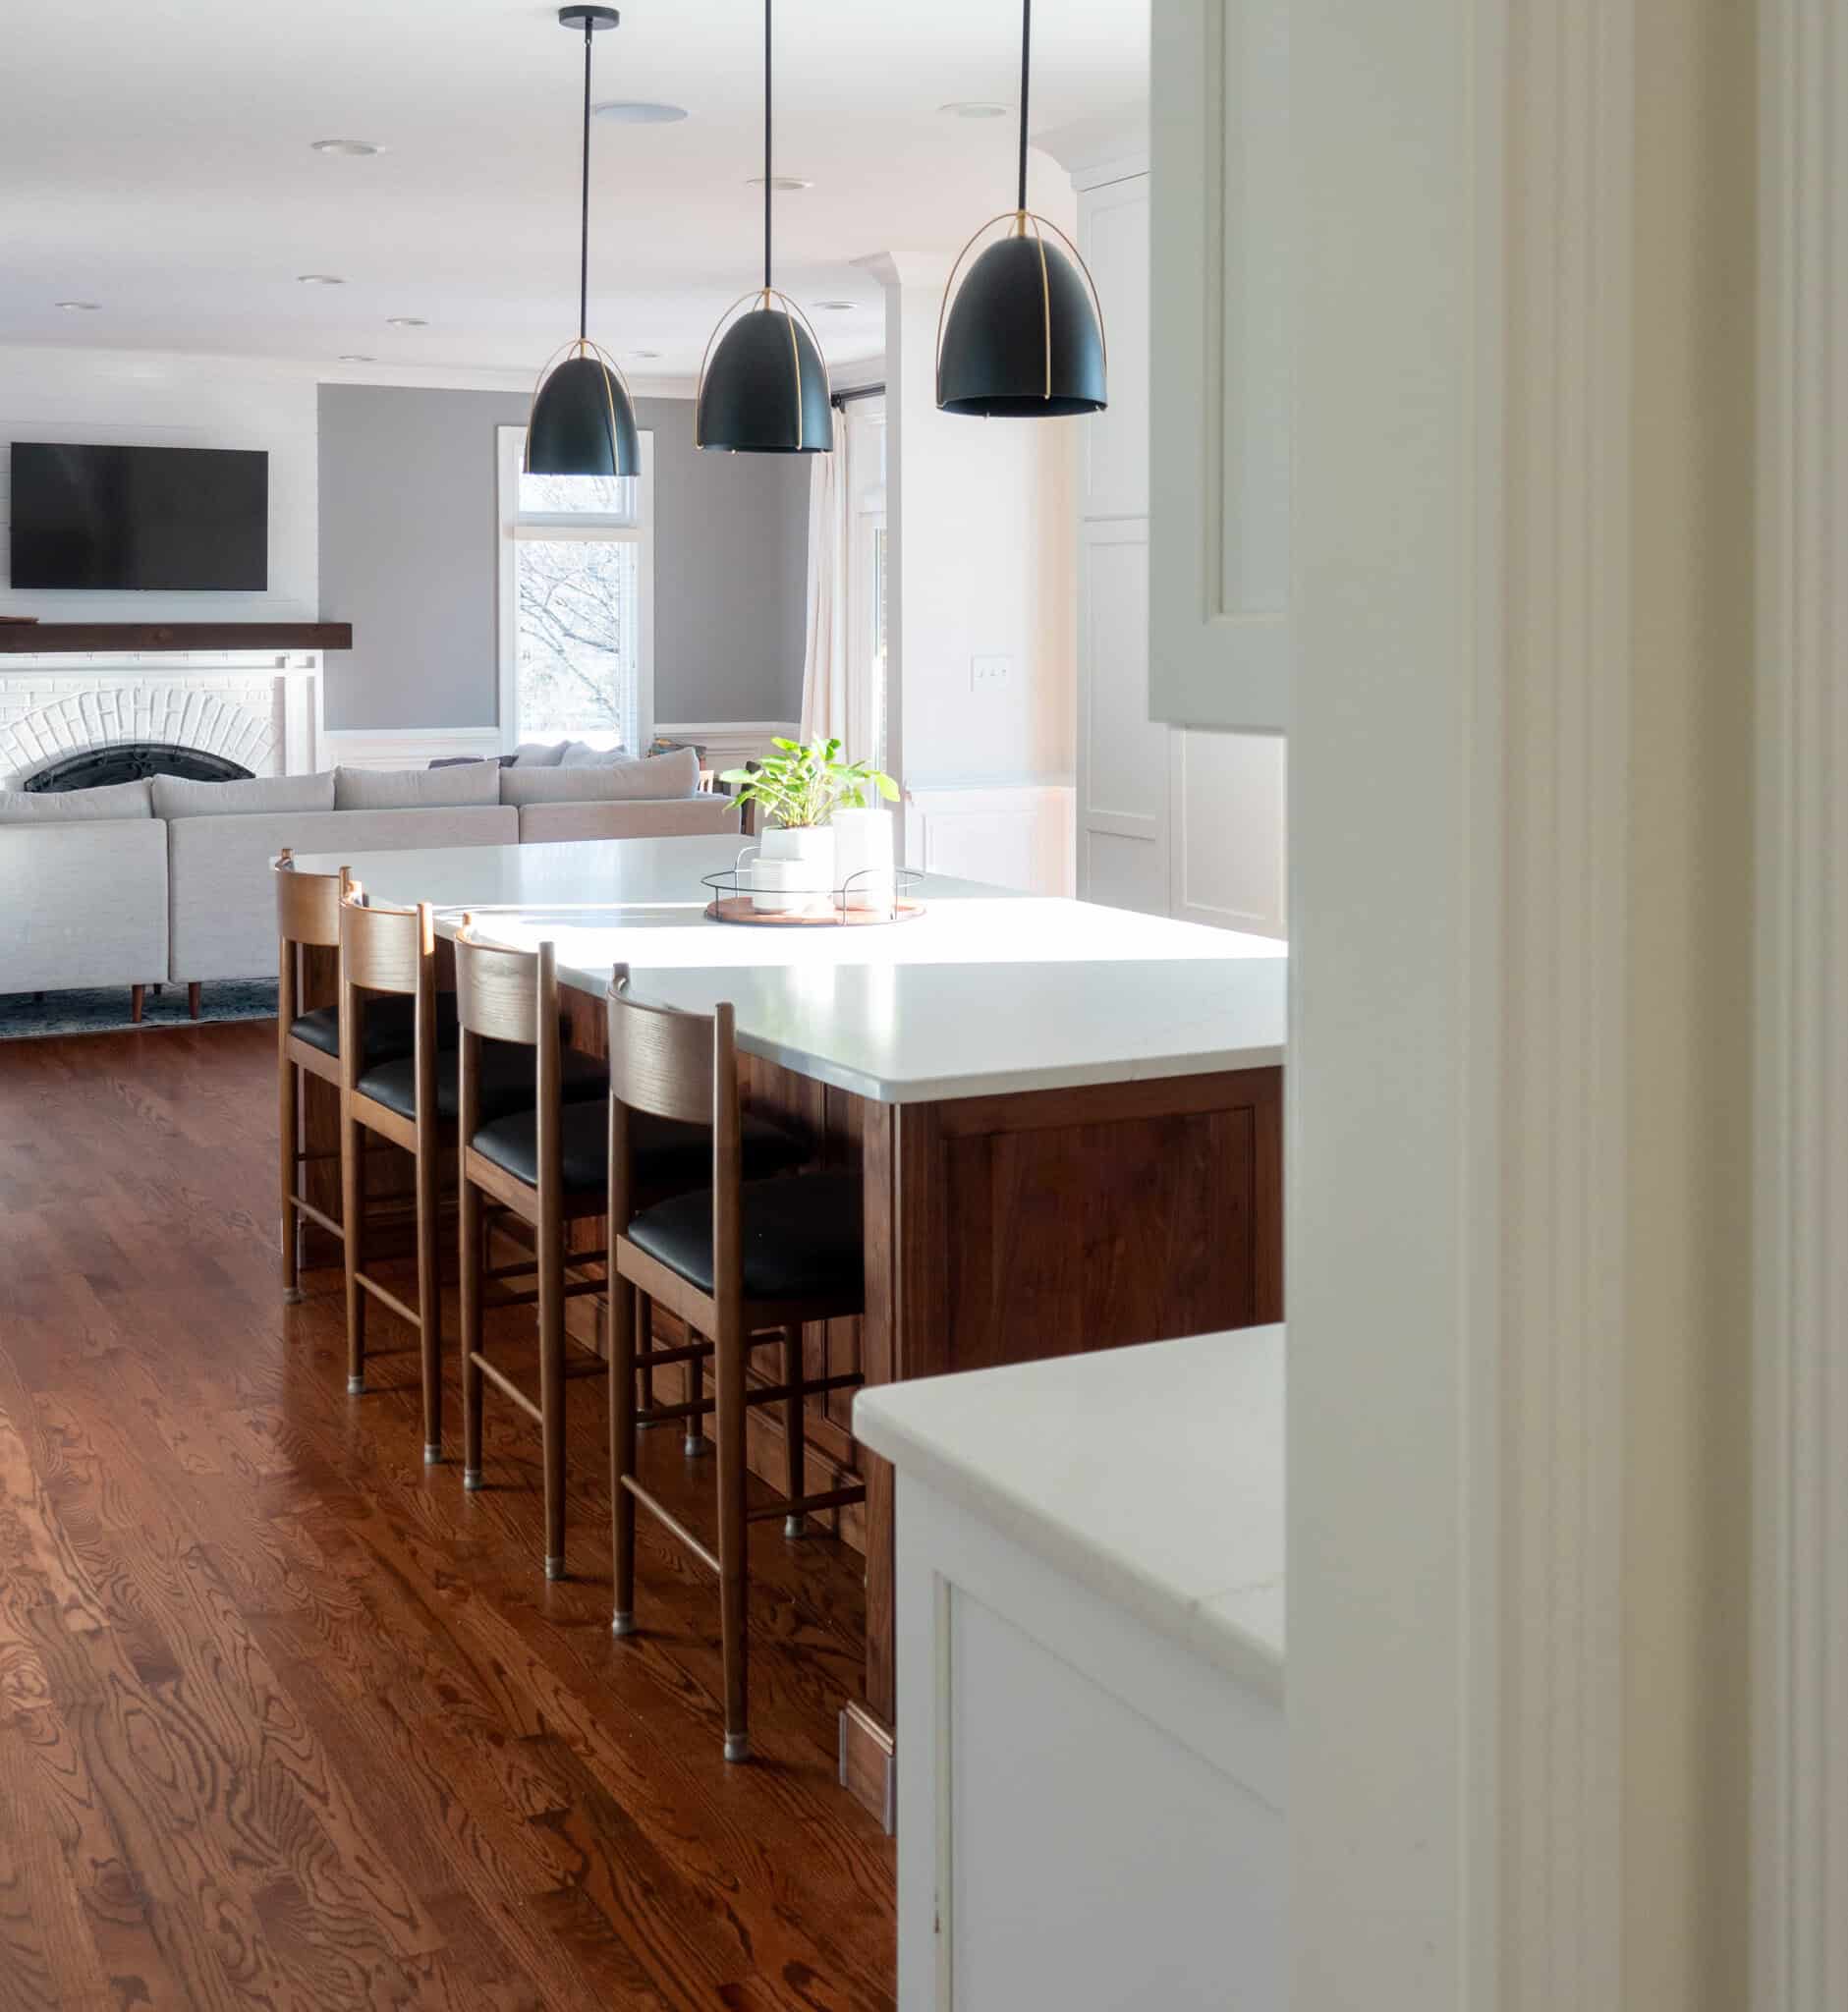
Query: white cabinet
{"x":1090,"y":1592}
{"x":1178,"y":821}
{"x":1219,"y":365}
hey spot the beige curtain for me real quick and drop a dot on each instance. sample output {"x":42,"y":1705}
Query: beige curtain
{"x":824,"y":669}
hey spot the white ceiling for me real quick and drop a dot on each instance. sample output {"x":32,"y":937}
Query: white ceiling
{"x":154,"y":158}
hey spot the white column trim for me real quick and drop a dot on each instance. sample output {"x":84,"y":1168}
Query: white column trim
{"x":1799,"y":1566}
{"x":1459,"y":1128}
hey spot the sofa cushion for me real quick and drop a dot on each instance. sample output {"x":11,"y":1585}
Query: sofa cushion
{"x":416,"y":789}
{"x":664,"y":818}
{"x":113,"y":799}
{"x":177,"y":796}
{"x":537,"y":755}
{"x":657,"y":776}
{"x":580,"y":755}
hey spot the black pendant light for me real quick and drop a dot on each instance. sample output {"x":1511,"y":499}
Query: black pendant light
{"x":583,"y":420}
{"x":1024,"y":337}
{"x":763,"y":388}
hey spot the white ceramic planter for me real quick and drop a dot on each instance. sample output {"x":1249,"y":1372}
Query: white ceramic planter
{"x":863,"y":846}
{"x":795,"y":868}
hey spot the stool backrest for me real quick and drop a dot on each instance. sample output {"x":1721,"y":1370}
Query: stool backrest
{"x":388,"y":950}
{"x":307,"y":905}
{"x":685,"y":1066}
{"x":666,"y":1063}
{"x":384,"y":949}
{"x":498,"y":990}
{"x":308,"y":916}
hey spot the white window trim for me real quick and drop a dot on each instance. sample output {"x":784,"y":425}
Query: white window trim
{"x":511,"y":448}
{"x":865,"y":500}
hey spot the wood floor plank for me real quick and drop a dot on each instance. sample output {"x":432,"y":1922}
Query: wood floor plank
{"x":286,"y":1718}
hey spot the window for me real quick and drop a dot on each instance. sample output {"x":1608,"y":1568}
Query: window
{"x":576,"y":595}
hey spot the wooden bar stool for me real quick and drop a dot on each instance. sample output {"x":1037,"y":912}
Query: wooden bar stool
{"x":308,"y":916}
{"x":548,"y":1167}
{"x":411,"y":1101}
{"x":740,"y":1261}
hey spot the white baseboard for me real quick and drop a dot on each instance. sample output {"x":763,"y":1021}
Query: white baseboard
{"x":729,"y":743}
{"x":1018,"y":835}
{"x":402,"y":746}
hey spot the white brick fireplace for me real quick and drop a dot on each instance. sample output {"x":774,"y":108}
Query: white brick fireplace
{"x":261,"y":709}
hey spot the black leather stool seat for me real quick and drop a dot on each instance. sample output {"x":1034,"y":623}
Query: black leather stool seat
{"x":390,"y":1024}
{"x":508,"y":1081}
{"x":667,"y":1153}
{"x":801,"y":1237}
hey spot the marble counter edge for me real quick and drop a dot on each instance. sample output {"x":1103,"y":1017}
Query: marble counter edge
{"x":1233,"y":1627}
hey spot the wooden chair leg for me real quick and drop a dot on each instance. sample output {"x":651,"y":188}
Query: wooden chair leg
{"x":352,"y":1223}
{"x":192,"y":998}
{"x":551,"y":1256}
{"x":733,"y":1566}
{"x":470,"y":1199}
{"x":624,"y":1304}
{"x":288,"y":1142}
{"x":797,"y":1524}
{"x":137,"y":998}
{"x":429,"y":1293}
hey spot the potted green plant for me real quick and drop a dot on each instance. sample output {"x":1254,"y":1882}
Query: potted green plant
{"x":797,"y":791}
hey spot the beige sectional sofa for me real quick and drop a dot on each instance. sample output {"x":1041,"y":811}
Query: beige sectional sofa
{"x":169,"y":881}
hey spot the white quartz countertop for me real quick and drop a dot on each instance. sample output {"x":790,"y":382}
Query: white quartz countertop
{"x":987,"y":992}
{"x":1153,"y":1475}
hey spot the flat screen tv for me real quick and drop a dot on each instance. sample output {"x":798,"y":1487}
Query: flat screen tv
{"x":172,"y":518}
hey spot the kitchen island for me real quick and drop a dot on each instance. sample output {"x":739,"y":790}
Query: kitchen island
{"x":1067,"y":1118}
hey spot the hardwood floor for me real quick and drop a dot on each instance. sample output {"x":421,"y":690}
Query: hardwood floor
{"x":286,"y":1719}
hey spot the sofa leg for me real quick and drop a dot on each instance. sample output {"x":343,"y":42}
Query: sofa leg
{"x":138,"y":997}
{"x":192,"y":998}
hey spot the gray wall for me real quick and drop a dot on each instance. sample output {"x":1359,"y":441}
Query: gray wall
{"x":408,"y":556}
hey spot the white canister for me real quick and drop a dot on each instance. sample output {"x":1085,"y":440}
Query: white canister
{"x":864,"y":852}
{"x":799,"y":861}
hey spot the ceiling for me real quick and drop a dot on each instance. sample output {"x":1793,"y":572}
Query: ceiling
{"x":155,"y":160}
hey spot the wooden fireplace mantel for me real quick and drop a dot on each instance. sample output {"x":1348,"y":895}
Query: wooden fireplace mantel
{"x":35,"y":639}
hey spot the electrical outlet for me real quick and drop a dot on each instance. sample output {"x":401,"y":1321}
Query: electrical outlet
{"x":985,"y":672}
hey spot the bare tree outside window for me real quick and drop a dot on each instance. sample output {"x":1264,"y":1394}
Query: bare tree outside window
{"x":577,"y":637}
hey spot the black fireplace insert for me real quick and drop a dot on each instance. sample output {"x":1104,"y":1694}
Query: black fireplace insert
{"x":135,"y":762}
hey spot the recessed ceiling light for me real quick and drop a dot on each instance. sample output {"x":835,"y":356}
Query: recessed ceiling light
{"x":347,"y":150}
{"x":637,"y":112}
{"x":975,"y":108}
{"x":80,"y":306}
{"x":645,"y":356}
{"x":783,"y":181}
{"x":355,"y":358}
{"x":318,"y":279}
{"x":406,"y":322}
{"x":835,"y":307}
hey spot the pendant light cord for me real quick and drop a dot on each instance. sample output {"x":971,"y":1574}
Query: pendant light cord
{"x":583,"y":202}
{"x":1026,"y":44}
{"x":768,"y":185}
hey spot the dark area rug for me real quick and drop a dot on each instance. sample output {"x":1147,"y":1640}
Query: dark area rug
{"x":105,"y":1009}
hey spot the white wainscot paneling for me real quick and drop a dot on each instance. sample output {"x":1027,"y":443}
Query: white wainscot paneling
{"x":1228,"y":832}
{"x":404,"y":747}
{"x":1123,"y":758}
{"x":1221,"y":377}
{"x":1015,"y":836}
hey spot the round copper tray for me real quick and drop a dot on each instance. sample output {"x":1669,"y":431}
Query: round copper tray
{"x":737,"y":908}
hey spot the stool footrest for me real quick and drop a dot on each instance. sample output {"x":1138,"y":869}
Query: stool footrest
{"x":664,"y":1515}
{"x":800,"y":1505}
{"x":387,"y":1298}
{"x":506,"y":1385}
